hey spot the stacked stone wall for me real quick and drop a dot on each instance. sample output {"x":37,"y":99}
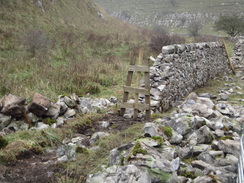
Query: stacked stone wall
{"x":179,"y":69}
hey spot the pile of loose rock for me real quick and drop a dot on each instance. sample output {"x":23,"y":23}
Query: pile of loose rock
{"x":16,"y":114}
{"x":197,"y":143}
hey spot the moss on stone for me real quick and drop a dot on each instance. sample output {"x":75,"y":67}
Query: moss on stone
{"x":214,"y":178}
{"x":225,"y":128}
{"x":167,"y":130}
{"x":226,"y":138}
{"x":159,"y":139}
{"x":49,"y":121}
{"x":188,"y":174}
{"x":159,"y":175}
{"x":138,"y":149}
{"x":122,"y":161}
{"x":82,"y":150}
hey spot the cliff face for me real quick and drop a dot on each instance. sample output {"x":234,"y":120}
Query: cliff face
{"x":182,"y":19}
{"x":171,"y":13}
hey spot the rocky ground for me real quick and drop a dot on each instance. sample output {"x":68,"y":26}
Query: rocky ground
{"x":198,"y":141}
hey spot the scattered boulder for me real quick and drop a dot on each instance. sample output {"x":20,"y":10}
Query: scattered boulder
{"x":4,"y":121}
{"x":230,"y":146}
{"x":70,"y":113}
{"x":39,"y":105}
{"x":198,"y":105}
{"x":97,"y":136}
{"x":13,"y":105}
{"x":53,"y":111}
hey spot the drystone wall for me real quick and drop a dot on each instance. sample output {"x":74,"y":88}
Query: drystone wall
{"x":181,"y":68}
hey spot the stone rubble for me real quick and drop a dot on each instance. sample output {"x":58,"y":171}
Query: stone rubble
{"x":41,"y":113}
{"x":195,"y":144}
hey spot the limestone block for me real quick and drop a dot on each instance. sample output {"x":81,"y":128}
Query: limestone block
{"x":39,"y":105}
{"x":13,"y":105}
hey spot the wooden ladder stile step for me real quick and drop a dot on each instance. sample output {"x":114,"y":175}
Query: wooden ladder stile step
{"x":135,"y":106}
{"x":136,"y":68}
{"x":142,"y":91}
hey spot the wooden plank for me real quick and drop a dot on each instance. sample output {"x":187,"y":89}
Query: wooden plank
{"x":136,"y":90}
{"x":127,"y":83}
{"x":134,"y":106}
{"x":138,"y":84}
{"x":228,"y":57}
{"x":137,"y":68}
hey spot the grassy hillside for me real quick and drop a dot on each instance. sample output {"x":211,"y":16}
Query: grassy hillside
{"x":62,"y":47}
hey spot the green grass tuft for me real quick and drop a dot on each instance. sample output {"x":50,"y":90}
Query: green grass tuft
{"x":138,"y":149}
{"x":167,"y":130}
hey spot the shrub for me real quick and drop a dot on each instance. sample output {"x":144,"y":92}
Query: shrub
{"x":36,"y":41}
{"x":231,"y":24}
{"x":93,"y":88}
{"x":162,"y":38}
{"x":194,"y":28}
{"x":206,"y":38}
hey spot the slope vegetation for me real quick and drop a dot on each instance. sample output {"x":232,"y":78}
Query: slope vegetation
{"x":58,"y":47}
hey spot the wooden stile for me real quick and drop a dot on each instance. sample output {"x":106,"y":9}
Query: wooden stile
{"x":137,"y":90}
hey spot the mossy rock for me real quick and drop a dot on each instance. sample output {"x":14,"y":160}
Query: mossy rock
{"x":187,"y":174}
{"x":226,"y":138}
{"x":49,"y":121}
{"x":167,"y":130}
{"x":159,"y":176}
{"x":82,"y":150}
{"x":138,"y":149}
{"x":159,"y":139}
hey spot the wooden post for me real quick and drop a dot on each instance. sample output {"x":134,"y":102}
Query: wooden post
{"x":228,"y":57}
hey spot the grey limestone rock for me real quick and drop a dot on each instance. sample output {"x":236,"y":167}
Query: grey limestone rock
{"x":226,"y":109}
{"x":176,"y":138}
{"x":229,"y":146}
{"x":150,"y":130}
{"x":69,"y":102}
{"x":97,"y":136}
{"x":12,"y":105}
{"x":63,"y":107}
{"x":204,"y":179}
{"x":124,"y":174}
{"x":4,"y":121}
{"x":206,"y":157}
{"x":168,"y":49}
{"x":198,"y":105}
{"x":39,"y":105}
{"x":41,"y":126}
{"x":70,"y":113}
{"x":53,"y":111}
{"x":204,"y":135}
